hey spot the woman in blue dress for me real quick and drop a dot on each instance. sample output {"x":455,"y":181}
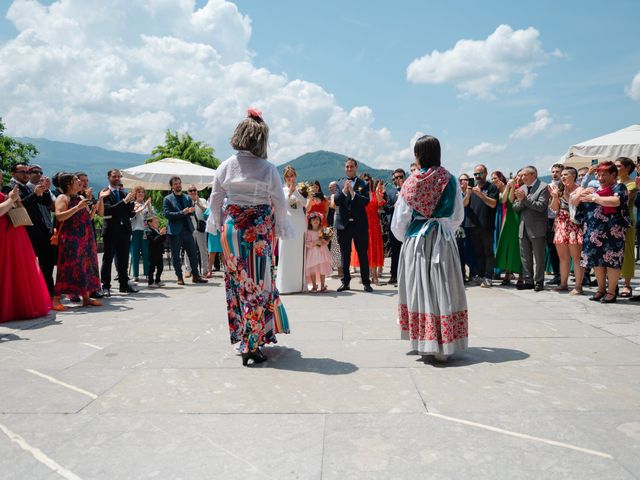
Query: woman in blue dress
{"x":606,"y":217}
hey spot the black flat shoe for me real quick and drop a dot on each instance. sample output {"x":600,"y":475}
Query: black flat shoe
{"x":343,"y":287}
{"x":257,"y":356}
{"x":367,"y":288}
{"x":598,"y":296}
{"x":613,"y":298}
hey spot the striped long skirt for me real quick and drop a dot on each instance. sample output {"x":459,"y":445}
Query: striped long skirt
{"x":432,"y":304}
{"x":254,"y":308}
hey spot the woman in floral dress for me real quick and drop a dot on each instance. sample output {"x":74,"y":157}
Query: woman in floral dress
{"x":78,"y":272}
{"x":607,"y":217}
{"x":255,"y":213}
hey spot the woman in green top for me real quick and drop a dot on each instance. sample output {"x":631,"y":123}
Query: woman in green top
{"x":625,"y":167}
{"x":508,"y":251}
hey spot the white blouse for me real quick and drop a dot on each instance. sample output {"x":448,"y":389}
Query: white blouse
{"x":403,"y":212}
{"x":245,"y":179}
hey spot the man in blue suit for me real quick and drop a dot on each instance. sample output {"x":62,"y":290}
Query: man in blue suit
{"x":350,"y":221}
{"x":178,"y":209}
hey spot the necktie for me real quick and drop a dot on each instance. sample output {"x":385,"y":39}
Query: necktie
{"x":529,"y":189}
{"x":116,"y":193}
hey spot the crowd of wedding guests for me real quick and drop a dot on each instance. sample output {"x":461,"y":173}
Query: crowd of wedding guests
{"x":584,"y":221}
{"x":515,"y":230}
{"x":48,"y":240}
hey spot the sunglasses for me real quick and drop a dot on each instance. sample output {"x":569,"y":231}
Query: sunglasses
{"x":22,"y":172}
{"x":478,"y":174}
{"x":192,"y":190}
{"x":398,"y":177}
{"x":36,"y":172}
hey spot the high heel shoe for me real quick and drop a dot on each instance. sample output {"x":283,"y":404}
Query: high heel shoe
{"x":257,"y":356}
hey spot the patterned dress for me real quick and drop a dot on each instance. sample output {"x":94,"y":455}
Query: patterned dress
{"x":254,"y":308}
{"x":432,"y":303}
{"x":565,"y":230}
{"x":604,"y":234}
{"x":78,"y":272}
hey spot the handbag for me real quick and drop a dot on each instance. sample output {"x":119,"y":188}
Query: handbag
{"x":56,"y":233}
{"x":19,"y":216}
{"x":201,"y":226}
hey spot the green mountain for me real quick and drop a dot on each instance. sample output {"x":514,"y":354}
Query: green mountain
{"x":328,"y":166}
{"x":71,"y":157}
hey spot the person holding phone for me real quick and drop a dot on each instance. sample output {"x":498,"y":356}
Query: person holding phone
{"x":77,"y":273}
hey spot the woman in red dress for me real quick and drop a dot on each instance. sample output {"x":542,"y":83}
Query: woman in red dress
{"x":23,"y":291}
{"x":375,"y":252}
{"x":317,"y":202}
{"x":77,"y":252}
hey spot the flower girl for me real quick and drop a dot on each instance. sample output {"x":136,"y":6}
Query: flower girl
{"x":318,"y":260}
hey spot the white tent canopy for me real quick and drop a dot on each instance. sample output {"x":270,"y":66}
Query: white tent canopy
{"x":623,"y":143}
{"x":156,"y":175}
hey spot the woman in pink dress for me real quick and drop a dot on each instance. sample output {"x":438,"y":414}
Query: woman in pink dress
{"x":23,"y":291}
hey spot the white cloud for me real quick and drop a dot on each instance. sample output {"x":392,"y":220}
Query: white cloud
{"x":118,"y":73}
{"x":633,"y":90}
{"x":485,"y":148}
{"x":542,"y":122}
{"x":505,"y":59}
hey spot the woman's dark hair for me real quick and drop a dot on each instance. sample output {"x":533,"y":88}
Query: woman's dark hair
{"x":54,"y":179}
{"x":608,"y":167}
{"x":319,"y":195}
{"x":65,"y":180}
{"x":500,"y":175}
{"x":626,"y":163}
{"x":427,"y":151}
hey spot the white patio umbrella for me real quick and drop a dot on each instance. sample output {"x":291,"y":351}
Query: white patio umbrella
{"x":156,"y":175}
{"x":623,"y":143}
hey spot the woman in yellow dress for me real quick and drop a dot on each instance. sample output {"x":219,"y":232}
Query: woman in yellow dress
{"x":625,"y":168}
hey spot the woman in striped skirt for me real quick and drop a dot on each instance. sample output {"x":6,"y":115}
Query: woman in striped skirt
{"x":254,"y":215}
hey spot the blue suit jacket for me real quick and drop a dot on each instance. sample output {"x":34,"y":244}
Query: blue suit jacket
{"x":351,"y":210}
{"x":173,"y":212}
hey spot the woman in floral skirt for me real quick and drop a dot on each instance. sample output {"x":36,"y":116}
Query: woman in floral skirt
{"x":255,"y":213}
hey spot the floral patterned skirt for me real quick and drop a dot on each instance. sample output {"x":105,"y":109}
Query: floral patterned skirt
{"x":566,"y":231}
{"x":254,"y":308}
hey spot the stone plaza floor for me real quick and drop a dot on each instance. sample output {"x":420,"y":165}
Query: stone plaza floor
{"x":148,"y":387}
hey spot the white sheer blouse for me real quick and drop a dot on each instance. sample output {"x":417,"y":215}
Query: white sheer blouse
{"x":245,"y":179}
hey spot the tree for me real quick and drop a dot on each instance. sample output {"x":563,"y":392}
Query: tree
{"x":13,"y":152}
{"x":184,"y":147}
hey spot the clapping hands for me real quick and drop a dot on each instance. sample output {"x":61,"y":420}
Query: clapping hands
{"x":14,"y":195}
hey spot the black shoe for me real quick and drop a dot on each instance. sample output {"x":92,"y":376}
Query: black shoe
{"x":106,"y":292}
{"x":554,"y":281}
{"x":129,"y":289}
{"x":199,"y":279}
{"x":613,"y":299}
{"x":367,"y":288}
{"x":596,"y":297}
{"x":538,"y":287}
{"x":97,"y":295}
{"x":343,"y":287}
{"x":525,"y":286}
{"x":257,"y":357}
{"x":392,"y":281}
{"x":635,"y":298}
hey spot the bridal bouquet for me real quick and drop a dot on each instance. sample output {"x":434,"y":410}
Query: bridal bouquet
{"x":326,"y":233}
{"x":293,"y":203}
{"x":303,"y":188}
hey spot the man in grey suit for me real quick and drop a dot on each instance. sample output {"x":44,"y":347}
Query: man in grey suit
{"x":532,"y":202}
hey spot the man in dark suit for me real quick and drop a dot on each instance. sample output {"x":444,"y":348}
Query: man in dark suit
{"x":178,"y":209}
{"x":116,"y":235}
{"x":351,"y":198}
{"x":532,"y":203}
{"x":396,"y":245}
{"x":33,"y":198}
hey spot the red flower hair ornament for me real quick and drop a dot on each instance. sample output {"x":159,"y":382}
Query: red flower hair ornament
{"x":255,"y":114}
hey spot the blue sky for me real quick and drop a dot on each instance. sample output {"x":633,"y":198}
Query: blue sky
{"x":502,"y":83}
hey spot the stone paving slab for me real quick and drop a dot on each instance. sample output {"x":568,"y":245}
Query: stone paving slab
{"x":547,"y":381}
